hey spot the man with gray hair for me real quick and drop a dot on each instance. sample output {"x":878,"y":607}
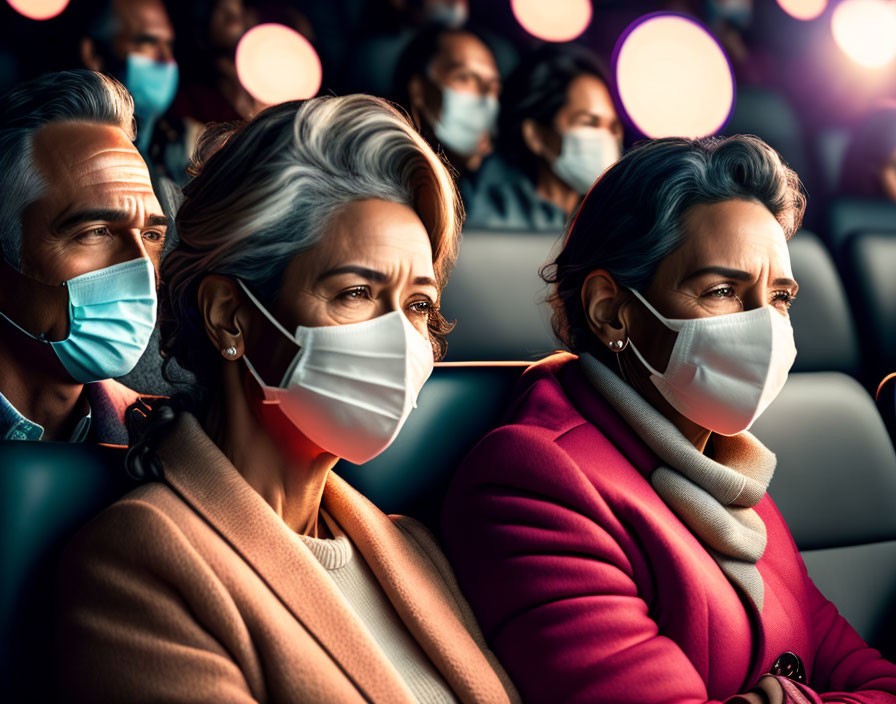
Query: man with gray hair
{"x":81,"y":233}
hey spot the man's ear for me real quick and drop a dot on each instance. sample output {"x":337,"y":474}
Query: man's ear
{"x":888,"y":182}
{"x":90,"y":57}
{"x":601,"y":300}
{"x":221,"y":305}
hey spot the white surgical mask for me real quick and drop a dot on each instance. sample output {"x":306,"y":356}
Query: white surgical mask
{"x":465,"y":118}
{"x":586,"y":152}
{"x":350,"y":388}
{"x":725,"y":370}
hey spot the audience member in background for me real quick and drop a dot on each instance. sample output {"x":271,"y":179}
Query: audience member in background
{"x":133,"y":41}
{"x":869,"y":166}
{"x":211,"y":90}
{"x":449,"y":82}
{"x":389,"y":26}
{"x":81,"y":234}
{"x":558,"y":132}
{"x":303,"y":293}
{"x":615,"y":536}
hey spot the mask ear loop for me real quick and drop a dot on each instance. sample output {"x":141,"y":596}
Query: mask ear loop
{"x":276,"y":324}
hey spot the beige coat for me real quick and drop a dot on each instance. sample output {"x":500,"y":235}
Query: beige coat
{"x":195,"y":590}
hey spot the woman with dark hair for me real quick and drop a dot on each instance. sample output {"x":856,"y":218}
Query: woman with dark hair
{"x":614,"y":536}
{"x":303,"y":294}
{"x":558,"y":131}
{"x":869,"y":166}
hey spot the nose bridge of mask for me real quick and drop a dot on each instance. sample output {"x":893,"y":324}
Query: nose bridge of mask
{"x":323,"y":336}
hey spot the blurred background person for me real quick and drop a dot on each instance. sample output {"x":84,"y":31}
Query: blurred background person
{"x":448,"y":81}
{"x":869,"y":166}
{"x":133,"y":41}
{"x":81,"y":233}
{"x":558,"y":132}
{"x":211,"y":90}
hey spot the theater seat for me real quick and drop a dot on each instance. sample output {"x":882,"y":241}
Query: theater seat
{"x":870,"y":259}
{"x":835,"y":484}
{"x":497,"y":297}
{"x":459,"y":404}
{"x":47,"y":490}
{"x":850,"y":216}
{"x":830,"y":150}
{"x":822,"y":321}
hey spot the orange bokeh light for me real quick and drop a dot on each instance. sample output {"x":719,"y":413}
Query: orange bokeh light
{"x":38,"y":9}
{"x":553,"y":20}
{"x":803,"y":9}
{"x":673,"y":77}
{"x":864,"y":30}
{"x":275,"y":64}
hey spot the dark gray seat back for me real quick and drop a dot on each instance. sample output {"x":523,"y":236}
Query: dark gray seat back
{"x":835,"y":484}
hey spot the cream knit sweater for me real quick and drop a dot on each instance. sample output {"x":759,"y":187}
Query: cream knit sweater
{"x":369,"y":602}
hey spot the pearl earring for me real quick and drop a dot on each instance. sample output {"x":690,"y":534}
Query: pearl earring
{"x":229,"y":351}
{"x":618,"y":345}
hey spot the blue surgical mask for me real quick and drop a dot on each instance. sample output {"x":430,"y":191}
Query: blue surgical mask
{"x":465,"y":118}
{"x":112,"y":314}
{"x":152,"y":84}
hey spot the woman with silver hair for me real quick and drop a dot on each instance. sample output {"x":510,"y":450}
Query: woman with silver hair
{"x":303,"y":294}
{"x":614,"y":536}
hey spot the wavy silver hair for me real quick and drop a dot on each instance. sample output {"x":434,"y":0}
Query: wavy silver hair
{"x":270,"y":188}
{"x":67,"y":96}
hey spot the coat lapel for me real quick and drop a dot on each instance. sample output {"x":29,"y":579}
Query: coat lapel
{"x":423,"y":605}
{"x":195,"y":467}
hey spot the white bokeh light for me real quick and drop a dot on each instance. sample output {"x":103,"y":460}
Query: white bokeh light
{"x":38,"y":9}
{"x":673,"y":77}
{"x":553,"y":20}
{"x":866,"y":31}
{"x":275,"y":64}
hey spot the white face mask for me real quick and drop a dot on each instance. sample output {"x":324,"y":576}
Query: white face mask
{"x":465,"y":118}
{"x":725,"y":370}
{"x":585,"y":154}
{"x":350,"y":388}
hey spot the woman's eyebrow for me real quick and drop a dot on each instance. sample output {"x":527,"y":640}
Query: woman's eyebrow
{"x":735,"y":274}
{"x":362,"y":271}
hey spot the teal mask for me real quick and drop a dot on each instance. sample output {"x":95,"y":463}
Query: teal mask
{"x":112,"y":314}
{"x":152,"y":84}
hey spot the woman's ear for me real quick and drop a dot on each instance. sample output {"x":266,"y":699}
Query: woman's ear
{"x":532,"y":137}
{"x":220,"y":303}
{"x":601,"y":300}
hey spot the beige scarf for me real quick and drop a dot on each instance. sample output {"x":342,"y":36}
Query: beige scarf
{"x":712,"y":496}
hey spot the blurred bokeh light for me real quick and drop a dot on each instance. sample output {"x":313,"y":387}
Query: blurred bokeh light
{"x":553,"y":20}
{"x":275,"y":64}
{"x":803,"y":9}
{"x":674,"y":80}
{"x":38,"y":9}
{"x":866,"y":31}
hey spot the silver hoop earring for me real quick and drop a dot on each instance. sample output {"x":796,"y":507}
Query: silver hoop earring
{"x":618,"y":345}
{"x":229,"y":351}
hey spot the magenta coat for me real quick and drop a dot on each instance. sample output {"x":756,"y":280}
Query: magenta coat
{"x":590,"y":589}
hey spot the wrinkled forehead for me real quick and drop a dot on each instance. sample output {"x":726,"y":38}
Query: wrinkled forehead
{"x":78,"y":156}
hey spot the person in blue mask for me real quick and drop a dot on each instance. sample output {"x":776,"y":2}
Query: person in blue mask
{"x":448,"y":81}
{"x":81,"y":234}
{"x":133,"y":41}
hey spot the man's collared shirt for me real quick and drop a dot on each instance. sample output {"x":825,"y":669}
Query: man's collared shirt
{"x":15,"y":426}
